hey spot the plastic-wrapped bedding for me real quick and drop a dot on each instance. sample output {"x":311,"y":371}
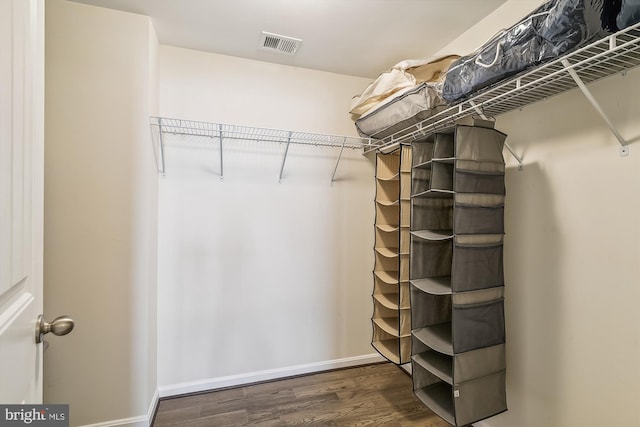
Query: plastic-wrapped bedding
{"x":407,"y":107}
{"x":552,"y":30}
{"x":629,"y":14}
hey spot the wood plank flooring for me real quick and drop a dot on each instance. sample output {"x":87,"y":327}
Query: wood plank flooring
{"x":372,"y":395}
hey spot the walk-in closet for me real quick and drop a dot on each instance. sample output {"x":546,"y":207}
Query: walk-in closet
{"x":332,"y":213}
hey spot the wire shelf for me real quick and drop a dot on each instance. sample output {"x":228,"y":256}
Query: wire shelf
{"x":222,"y":133}
{"x":613,"y":54}
{"x":247,"y":133}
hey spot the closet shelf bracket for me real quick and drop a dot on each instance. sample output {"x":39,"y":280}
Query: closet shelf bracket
{"x":221,"y":162}
{"x":624,"y":148}
{"x":284,"y":158}
{"x":161,"y":167}
{"x":333,"y":177}
{"x":478,"y":110}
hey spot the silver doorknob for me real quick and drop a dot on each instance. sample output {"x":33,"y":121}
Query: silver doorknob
{"x":60,"y":326}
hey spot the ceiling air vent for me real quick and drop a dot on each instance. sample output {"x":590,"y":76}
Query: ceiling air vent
{"x":279,"y":44}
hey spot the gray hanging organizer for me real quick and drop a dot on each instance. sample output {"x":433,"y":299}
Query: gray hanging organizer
{"x":456,"y":274}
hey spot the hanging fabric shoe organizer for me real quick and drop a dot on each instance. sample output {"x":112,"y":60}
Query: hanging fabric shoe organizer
{"x":391,"y":311}
{"x":457,"y":281}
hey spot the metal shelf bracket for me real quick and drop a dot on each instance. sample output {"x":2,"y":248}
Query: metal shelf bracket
{"x":624,"y":148}
{"x":333,"y":177}
{"x":284,"y":158}
{"x":161,"y":148}
{"x":221,"y":162}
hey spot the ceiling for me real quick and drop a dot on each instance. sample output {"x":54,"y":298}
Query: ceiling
{"x":354,"y":37}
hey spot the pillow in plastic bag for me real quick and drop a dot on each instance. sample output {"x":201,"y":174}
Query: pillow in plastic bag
{"x":629,"y":14}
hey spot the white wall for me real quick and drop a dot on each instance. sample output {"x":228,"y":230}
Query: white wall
{"x":571,"y":258}
{"x":259,"y":279}
{"x":100,"y":212}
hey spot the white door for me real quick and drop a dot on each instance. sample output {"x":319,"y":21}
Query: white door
{"x":21,"y":197}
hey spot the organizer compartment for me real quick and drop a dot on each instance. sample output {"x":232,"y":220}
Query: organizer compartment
{"x":421,"y":152}
{"x":478,"y":214}
{"x":443,"y":146}
{"x":479,"y":399}
{"x":432,"y":214}
{"x":388,"y":215}
{"x":388,"y":167}
{"x":390,"y":346}
{"x":405,"y":213}
{"x":464,"y":328}
{"x":430,"y":258}
{"x":479,"y":182}
{"x":421,"y":179}
{"x":479,"y":144}
{"x":405,"y":241}
{"x":433,"y":392}
{"x":387,"y":192}
{"x":441,"y":176}
{"x":477,"y":325}
{"x":386,"y":294}
{"x":405,"y":185}
{"x":461,"y":368}
{"x":386,"y":318}
{"x":404,"y":267}
{"x":469,"y":219}
{"x":435,"y":309}
{"x":386,"y":237}
{"x":476,"y":266}
{"x":383,"y":262}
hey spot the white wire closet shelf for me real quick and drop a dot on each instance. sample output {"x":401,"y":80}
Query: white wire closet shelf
{"x":222,"y":133}
{"x":613,"y":54}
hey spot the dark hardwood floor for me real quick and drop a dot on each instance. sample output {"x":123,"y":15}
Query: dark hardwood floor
{"x":372,"y":395}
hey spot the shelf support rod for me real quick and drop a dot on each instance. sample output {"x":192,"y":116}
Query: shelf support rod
{"x":624,"y":149}
{"x":333,"y":177}
{"x":161,"y":147}
{"x":221,"y":158}
{"x":515,"y":156}
{"x":284,"y":158}
{"x":478,"y":110}
{"x":506,"y":145}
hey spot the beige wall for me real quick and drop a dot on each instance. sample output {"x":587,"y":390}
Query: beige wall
{"x":571,"y":262}
{"x":204,"y":86}
{"x":100,"y":212}
{"x":259,"y":279}
{"x":571,"y":254}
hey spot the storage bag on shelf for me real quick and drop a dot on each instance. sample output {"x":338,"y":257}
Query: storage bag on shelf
{"x":629,"y":14}
{"x":553,"y":29}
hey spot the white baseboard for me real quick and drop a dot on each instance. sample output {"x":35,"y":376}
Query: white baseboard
{"x":155,"y":400}
{"x":140,"y":421}
{"x":271,"y":374}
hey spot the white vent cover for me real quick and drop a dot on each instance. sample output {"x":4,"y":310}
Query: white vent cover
{"x":279,"y":44}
